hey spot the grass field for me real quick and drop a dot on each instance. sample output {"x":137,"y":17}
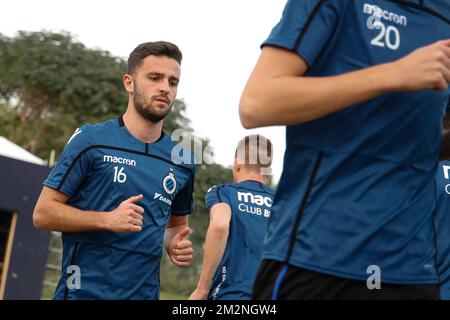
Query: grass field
{"x":171,"y":296}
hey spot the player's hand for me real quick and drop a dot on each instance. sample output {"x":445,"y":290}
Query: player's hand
{"x":425,"y":68}
{"x":198,"y":294}
{"x":180,"y":249}
{"x":127,"y":217}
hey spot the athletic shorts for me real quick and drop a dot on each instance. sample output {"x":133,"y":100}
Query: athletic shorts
{"x":279,"y":281}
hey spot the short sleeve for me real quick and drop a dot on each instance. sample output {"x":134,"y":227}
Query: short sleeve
{"x":306,"y":27}
{"x":73,"y":166}
{"x":183,"y":203}
{"x":216,"y":194}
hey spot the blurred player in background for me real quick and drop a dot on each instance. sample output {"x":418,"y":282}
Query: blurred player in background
{"x":239,"y":215}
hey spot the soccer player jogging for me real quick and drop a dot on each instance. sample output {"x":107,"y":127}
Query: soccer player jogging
{"x":117,"y":195}
{"x":239,"y":215}
{"x":362,"y":86}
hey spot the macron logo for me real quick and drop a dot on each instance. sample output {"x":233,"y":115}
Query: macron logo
{"x":77,"y":132}
{"x":163,"y":199}
{"x":377,"y":13}
{"x":114,"y":159}
{"x":255,"y":199}
{"x":446,"y":168}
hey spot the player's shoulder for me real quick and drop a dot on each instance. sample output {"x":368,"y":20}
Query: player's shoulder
{"x":243,"y":187}
{"x":220,"y":191}
{"x":101,"y":129}
{"x":254,"y":187}
{"x":216,"y":188}
{"x":88,"y":135}
{"x":216,"y":194}
{"x":311,"y":6}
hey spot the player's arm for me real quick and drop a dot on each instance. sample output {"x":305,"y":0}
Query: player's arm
{"x":176,"y":242}
{"x":214,"y":247}
{"x":278,"y":93}
{"x":52,"y":213}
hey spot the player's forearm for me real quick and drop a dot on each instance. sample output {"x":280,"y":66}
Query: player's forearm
{"x":55,"y":216}
{"x":214,"y":248}
{"x":288,"y":100}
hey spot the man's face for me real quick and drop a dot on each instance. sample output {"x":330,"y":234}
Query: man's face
{"x":155,"y":84}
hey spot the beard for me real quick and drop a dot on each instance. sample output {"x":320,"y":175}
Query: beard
{"x":147,"y":110}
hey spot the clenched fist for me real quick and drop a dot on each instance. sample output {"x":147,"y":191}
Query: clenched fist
{"x":180,"y":249}
{"x":127,"y":217}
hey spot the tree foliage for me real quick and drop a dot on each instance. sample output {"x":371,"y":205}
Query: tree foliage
{"x":51,"y":83}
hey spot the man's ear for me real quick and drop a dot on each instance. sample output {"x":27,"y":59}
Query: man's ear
{"x":128,"y":83}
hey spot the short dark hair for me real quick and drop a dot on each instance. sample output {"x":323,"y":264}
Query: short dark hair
{"x":254,"y":151}
{"x":157,"y":48}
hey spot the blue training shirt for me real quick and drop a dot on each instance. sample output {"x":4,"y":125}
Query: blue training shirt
{"x":250,"y":203}
{"x":442,"y":225}
{"x":101,"y":166}
{"x":357,"y":187}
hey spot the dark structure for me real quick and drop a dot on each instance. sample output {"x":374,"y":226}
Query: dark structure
{"x":23,"y":248}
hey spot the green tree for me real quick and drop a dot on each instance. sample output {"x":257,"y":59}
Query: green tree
{"x":50,"y":84}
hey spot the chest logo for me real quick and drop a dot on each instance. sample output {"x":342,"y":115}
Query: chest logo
{"x":169,"y":182}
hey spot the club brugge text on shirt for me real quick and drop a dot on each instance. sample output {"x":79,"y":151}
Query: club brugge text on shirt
{"x":247,"y":197}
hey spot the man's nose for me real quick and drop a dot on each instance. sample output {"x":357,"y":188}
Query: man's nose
{"x":164,"y":87}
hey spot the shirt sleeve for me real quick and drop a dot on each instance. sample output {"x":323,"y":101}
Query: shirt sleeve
{"x":183,"y":203}
{"x":216,"y":194}
{"x":306,"y":27}
{"x":73,"y":166}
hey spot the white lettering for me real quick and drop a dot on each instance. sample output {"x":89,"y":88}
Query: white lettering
{"x":163,"y":199}
{"x":74,"y":280}
{"x":446,"y":168}
{"x":114,"y":159}
{"x":255,"y":199}
{"x":374,"y":280}
{"x":379,"y":13}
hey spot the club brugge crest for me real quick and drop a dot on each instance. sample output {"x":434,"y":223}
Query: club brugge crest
{"x":169,"y":182}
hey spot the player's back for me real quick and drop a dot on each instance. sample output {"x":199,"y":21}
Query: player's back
{"x":250,"y":203}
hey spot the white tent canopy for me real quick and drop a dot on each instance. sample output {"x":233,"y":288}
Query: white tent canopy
{"x":12,"y":150}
